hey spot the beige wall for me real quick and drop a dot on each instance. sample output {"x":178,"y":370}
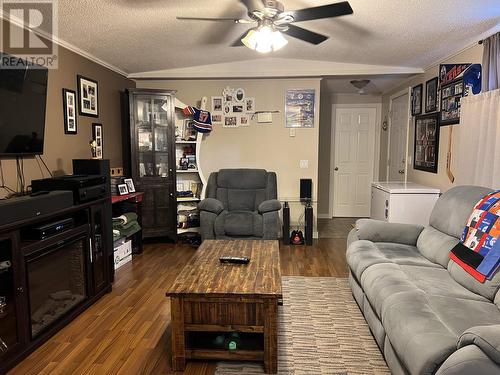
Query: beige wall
{"x":267,"y":146}
{"x":439,"y":180}
{"x":325,"y":140}
{"x":60,"y":149}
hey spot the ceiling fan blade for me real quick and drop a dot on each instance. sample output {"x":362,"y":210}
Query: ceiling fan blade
{"x":324,"y":11}
{"x":222,"y":19}
{"x":252,"y":5}
{"x":305,"y":35}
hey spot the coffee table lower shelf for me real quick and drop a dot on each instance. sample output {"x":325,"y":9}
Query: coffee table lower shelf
{"x":196,"y":322}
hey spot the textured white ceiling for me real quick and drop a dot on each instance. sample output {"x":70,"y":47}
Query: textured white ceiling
{"x":143,"y":35}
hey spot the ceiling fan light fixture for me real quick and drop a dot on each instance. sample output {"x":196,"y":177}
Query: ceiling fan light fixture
{"x":264,"y":39}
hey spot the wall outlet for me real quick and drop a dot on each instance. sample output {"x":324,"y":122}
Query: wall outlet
{"x":116,"y":172}
{"x":292,"y":132}
{"x":304,"y":164}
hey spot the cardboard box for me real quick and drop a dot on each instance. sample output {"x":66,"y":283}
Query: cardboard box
{"x":123,"y":254}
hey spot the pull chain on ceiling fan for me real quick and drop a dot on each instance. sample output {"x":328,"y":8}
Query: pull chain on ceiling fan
{"x":272,"y":22}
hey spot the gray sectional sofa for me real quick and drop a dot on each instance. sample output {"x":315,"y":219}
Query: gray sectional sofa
{"x":426,"y":313}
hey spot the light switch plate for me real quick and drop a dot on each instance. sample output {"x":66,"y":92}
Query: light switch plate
{"x":292,"y":132}
{"x":304,"y":164}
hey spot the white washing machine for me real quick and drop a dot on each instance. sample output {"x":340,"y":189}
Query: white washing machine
{"x":400,"y":202}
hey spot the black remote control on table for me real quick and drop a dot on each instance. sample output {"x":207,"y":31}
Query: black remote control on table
{"x":236,"y":260}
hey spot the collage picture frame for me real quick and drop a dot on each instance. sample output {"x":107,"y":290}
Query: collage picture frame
{"x":69,"y":110}
{"x":97,"y":136}
{"x":88,"y":94}
{"x":233,"y":109}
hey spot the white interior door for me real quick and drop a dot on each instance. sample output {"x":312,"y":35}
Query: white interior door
{"x":398,"y":138}
{"x":354,"y":161}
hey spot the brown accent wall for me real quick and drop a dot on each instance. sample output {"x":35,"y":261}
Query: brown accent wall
{"x":59,"y":148}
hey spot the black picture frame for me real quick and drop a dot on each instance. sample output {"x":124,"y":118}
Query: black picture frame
{"x":88,"y":96}
{"x":69,"y":111}
{"x":451,"y":95}
{"x":416,"y":100}
{"x":98,"y":137}
{"x":426,"y":145}
{"x":431,"y":95}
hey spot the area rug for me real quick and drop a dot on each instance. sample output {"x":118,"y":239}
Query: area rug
{"x":320,"y":332}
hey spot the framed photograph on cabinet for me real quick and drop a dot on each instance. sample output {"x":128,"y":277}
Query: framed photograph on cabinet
{"x":88,"y":104}
{"x":122,"y":189}
{"x":97,"y":136}
{"x":130,"y":184}
{"x":69,"y":108}
{"x":431,"y":94}
{"x":426,"y":148}
{"x":416,"y":100}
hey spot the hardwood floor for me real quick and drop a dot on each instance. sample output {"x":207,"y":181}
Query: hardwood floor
{"x":128,"y":330}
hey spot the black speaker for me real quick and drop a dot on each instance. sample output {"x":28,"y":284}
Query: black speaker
{"x":29,"y":207}
{"x":305,"y":189}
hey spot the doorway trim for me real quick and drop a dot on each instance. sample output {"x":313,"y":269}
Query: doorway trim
{"x":376,"y":156}
{"x":406,"y":91}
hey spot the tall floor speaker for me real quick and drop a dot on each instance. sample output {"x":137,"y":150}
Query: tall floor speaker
{"x":101,"y":167}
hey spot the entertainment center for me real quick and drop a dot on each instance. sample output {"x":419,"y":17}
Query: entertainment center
{"x":45,"y":283}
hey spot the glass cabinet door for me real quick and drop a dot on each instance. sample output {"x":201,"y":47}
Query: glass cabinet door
{"x":144,"y":128}
{"x":8,"y":316}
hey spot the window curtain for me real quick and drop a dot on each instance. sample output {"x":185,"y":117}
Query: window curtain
{"x":491,"y":63}
{"x":478,"y":151}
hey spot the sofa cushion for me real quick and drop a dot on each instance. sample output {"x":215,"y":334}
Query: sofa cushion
{"x":363,"y":254}
{"x":382,"y":281}
{"x":435,"y":245}
{"x":454,"y":207}
{"x":487,"y":289}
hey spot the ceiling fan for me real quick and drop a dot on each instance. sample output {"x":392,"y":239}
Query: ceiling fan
{"x":272,"y":21}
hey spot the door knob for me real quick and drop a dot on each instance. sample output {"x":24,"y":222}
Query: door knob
{"x":336,"y":169}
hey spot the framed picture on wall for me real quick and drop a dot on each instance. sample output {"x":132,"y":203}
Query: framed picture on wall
{"x":69,"y":109}
{"x":426,"y":145}
{"x":88,"y":104}
{"x":97,"y":136}
{"x":416,"y":100}
{"x":431,"y":94}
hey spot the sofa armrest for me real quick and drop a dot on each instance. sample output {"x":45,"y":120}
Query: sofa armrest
{"x":380,"y":231}
{"x":468,"y":360}
{"x":269,"y":206}
{"x":487,"y":338}
{"x":211,"y":205}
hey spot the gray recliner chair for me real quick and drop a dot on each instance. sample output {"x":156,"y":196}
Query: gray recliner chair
{"x":242,"y":204}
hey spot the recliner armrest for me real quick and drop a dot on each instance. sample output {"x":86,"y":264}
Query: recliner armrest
{"x":269,"y":206}
{"x":381,"y":231}
{"x":487,"y":338}
{"x":211,"y":205}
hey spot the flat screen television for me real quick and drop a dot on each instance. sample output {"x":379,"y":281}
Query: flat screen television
{"x":23,"y":95}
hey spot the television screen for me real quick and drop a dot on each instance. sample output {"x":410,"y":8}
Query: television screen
{"x":23,"y":94}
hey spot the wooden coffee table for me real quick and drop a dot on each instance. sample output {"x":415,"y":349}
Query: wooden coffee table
{"x":210,"y":299}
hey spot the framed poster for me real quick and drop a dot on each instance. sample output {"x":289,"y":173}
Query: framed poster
{"x":426,"y":147}
{"x":97,"y":136}
{"x":416,"y":100}
{"x":88,"y":104}
{"x":431,"y":93}
{"x":69,"y":108}
{"x":300,"y":108}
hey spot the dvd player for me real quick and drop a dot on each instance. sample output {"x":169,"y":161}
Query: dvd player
{"x":44,"y":231}
{"x":85,"y":188}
